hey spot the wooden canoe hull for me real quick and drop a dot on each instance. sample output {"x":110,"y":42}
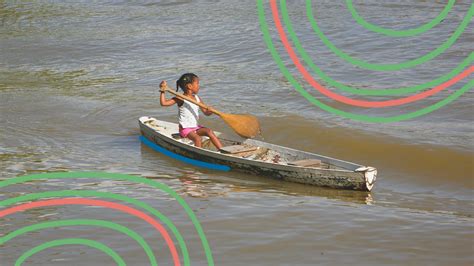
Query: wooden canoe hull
{"x":333,"y":178}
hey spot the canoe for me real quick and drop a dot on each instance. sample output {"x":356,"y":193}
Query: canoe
{"x":258,"y":158}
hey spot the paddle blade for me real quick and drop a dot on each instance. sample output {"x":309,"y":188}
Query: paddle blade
{"x":246,"y":126}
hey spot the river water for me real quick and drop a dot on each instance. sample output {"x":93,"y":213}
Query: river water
{"x":75,"y":77}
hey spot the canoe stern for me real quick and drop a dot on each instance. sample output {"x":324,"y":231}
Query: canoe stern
{"x":370,"y":174}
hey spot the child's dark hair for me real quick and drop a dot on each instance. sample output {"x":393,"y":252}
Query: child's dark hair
{"x":184,"y":80}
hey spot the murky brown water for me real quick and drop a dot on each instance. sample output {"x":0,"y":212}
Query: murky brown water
{"x":74,"y":78}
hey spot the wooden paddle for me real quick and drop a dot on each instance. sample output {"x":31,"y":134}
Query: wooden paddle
{"x":246,"y":126}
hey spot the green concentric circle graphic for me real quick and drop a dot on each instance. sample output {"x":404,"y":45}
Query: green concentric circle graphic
{"x":106,"y":195}
{"x":400,"y":33}
{"x":72,"y":241}
{"x":361,"y":91}
{"x":88,"y":222}
{"x":309,"y":97}
{"x":389,"y":67}
{"x":100,"y":223}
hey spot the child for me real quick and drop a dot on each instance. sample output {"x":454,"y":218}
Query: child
{"x":188,"y":112}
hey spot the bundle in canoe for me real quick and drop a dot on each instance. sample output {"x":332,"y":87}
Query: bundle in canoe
{"x":262,"y":158}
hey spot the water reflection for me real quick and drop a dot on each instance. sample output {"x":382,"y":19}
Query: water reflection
{"x":195,"y":186}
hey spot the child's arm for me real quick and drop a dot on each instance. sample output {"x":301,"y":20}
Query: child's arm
{"x":166,"y":102}
{"x":163,"y":100}
{"x":206,"y":111}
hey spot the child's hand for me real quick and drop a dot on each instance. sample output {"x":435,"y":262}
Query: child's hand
{"x":163,"y":86}
{"x":208,"y":110}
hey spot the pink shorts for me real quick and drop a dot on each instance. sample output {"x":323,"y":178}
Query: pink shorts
{"x":185,"y":131}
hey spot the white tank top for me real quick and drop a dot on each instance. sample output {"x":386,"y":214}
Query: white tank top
{"x":189,"y":114}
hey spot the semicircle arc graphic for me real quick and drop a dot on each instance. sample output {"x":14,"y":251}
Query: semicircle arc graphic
{"x":366,"y":118}
{"x":400,"y":33}
{"x":463,"y":71}
{"x":21,"y":203}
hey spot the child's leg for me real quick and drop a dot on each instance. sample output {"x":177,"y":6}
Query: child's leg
{"x":195,"y":138}
{"x":208,"y":132}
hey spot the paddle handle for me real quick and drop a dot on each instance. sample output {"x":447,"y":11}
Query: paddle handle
{"x":184,"y":97}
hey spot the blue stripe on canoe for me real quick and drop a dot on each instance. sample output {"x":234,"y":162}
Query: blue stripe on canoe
{"x":173,"y":155}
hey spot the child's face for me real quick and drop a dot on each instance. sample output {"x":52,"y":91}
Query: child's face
{"x":194,"y":86}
